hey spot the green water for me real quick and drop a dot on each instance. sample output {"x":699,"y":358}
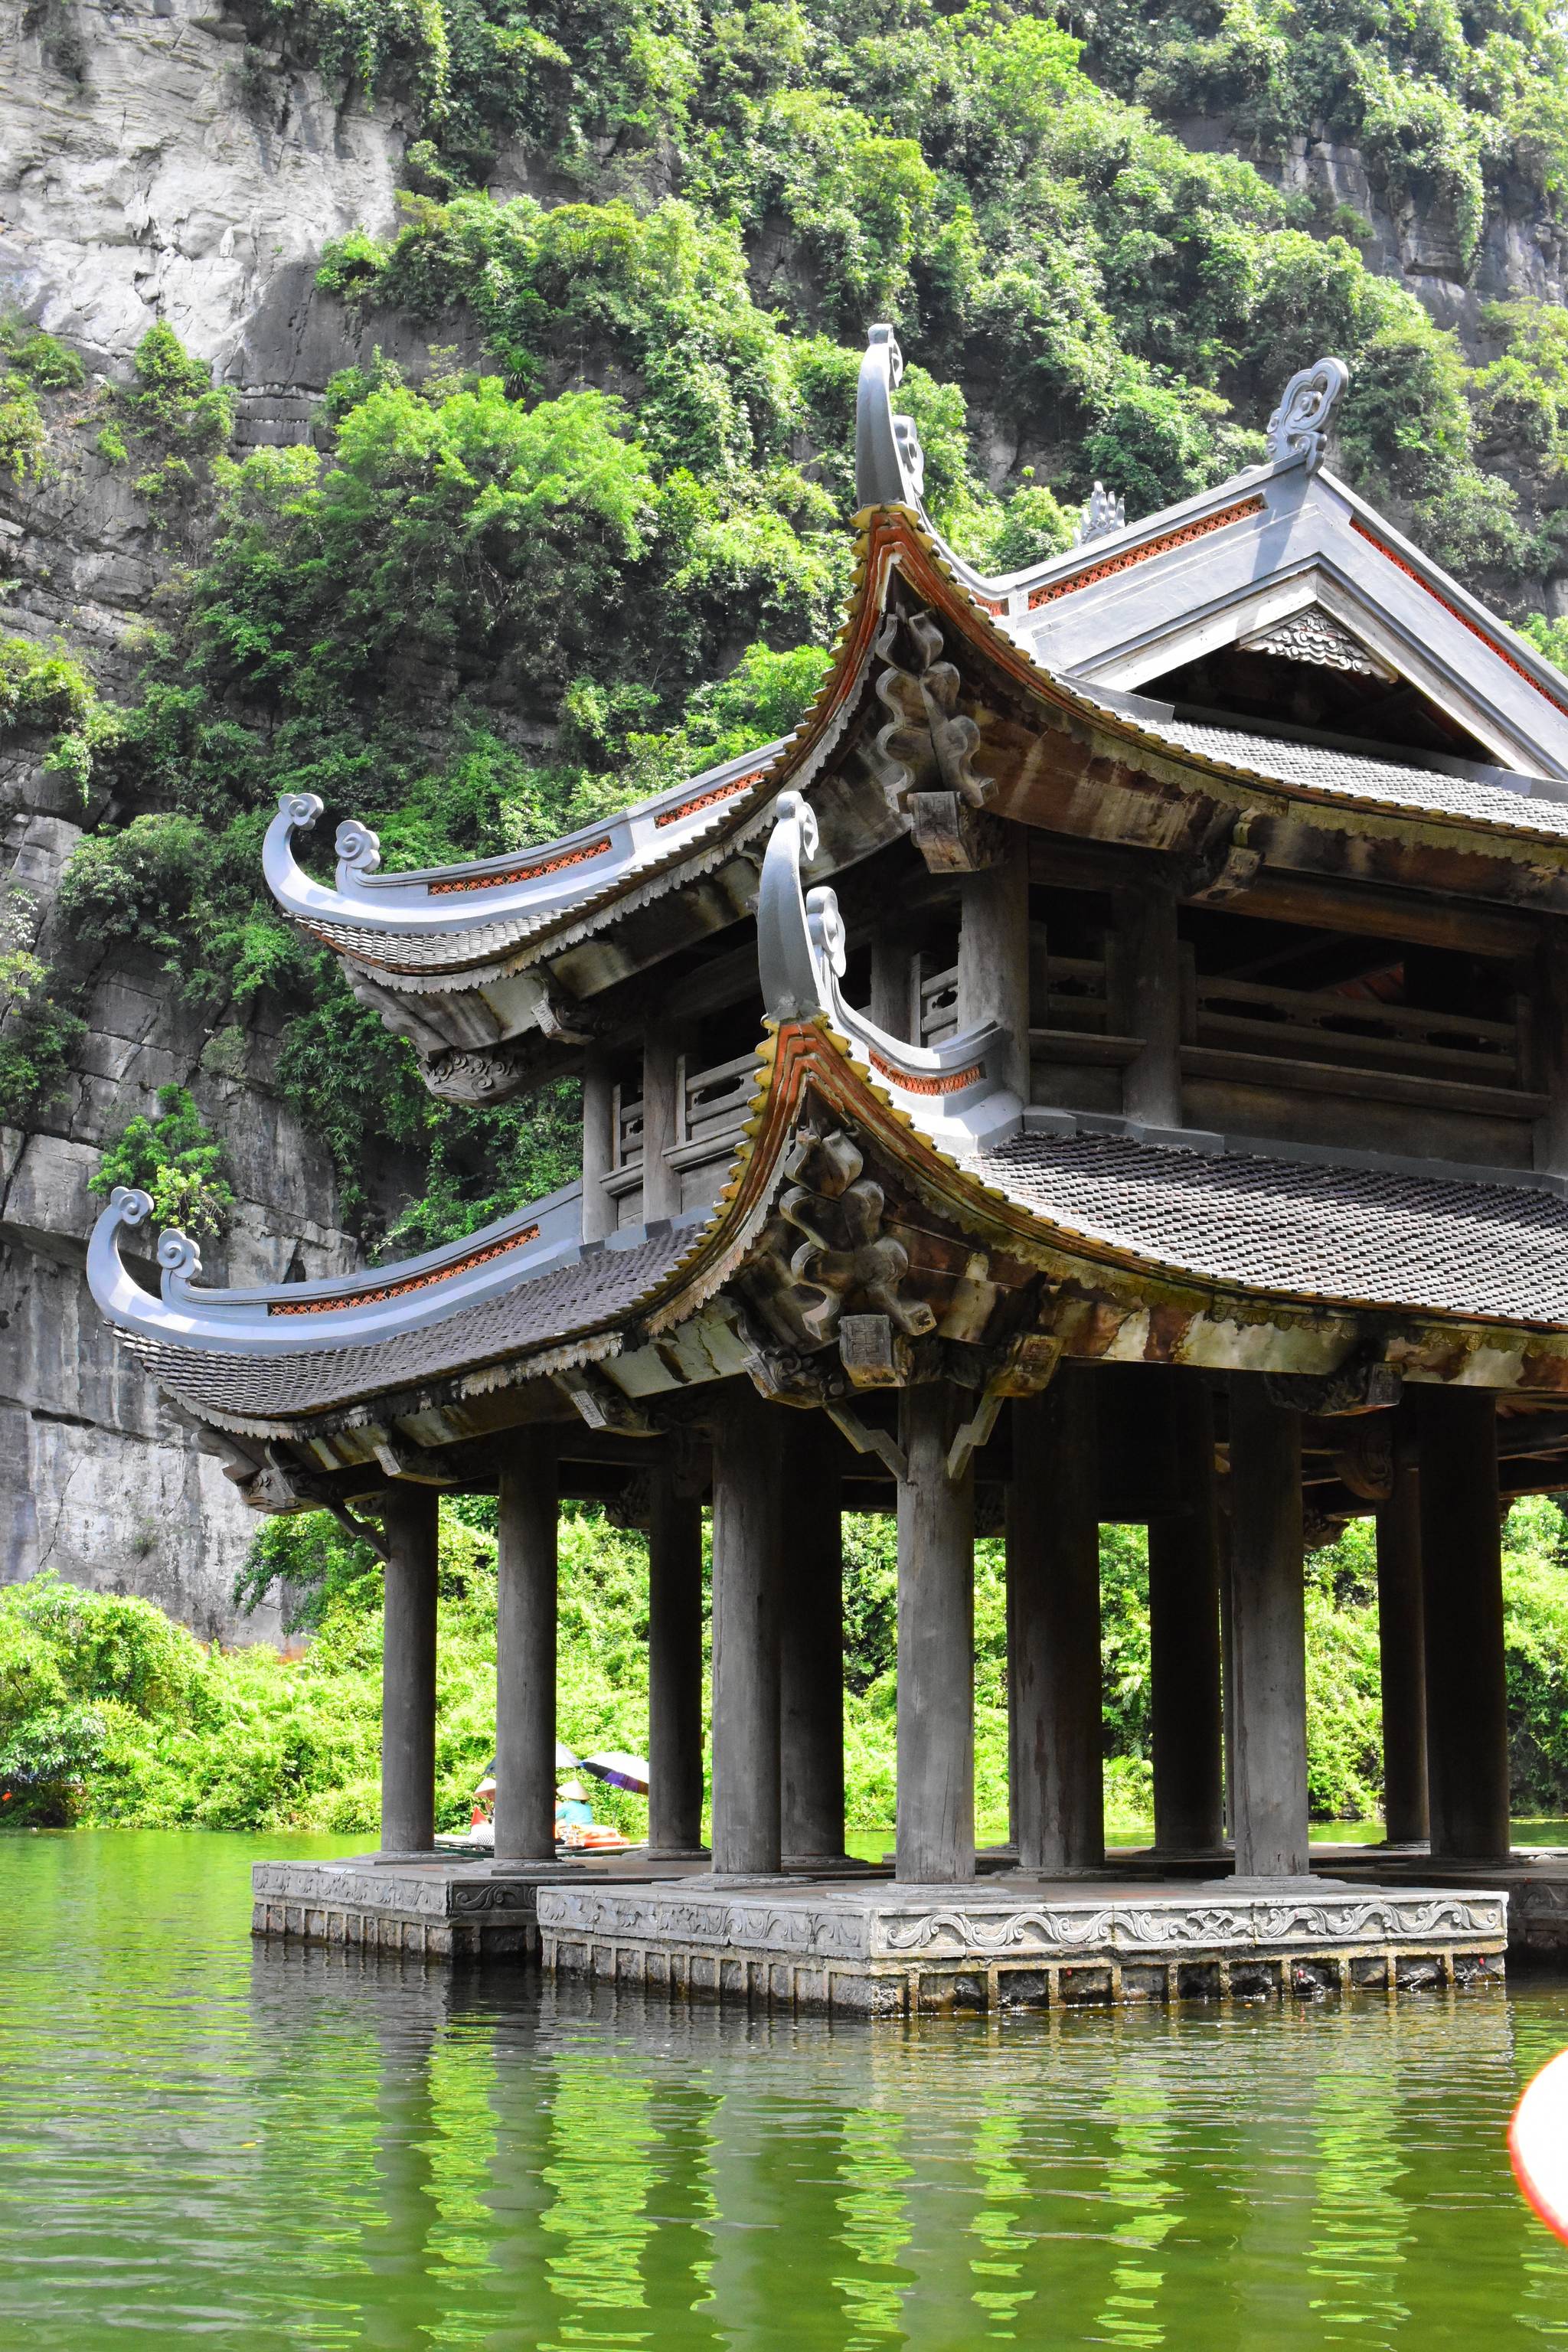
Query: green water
{"x":204,"y":2144}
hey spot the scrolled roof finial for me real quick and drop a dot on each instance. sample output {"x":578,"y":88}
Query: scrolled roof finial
{"x":129,"y":1205}
{"x":1298,"y":431}
{"x":1103,"y":511}
{"x":179,"y":1258}
{"x":889,"y":469}
{"x":787,"y":952}
{"x":301,"y":810}
{"x":829,"y":938}
{"x":358,"y":851}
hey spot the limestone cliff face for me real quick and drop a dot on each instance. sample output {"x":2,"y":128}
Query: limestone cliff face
{"x":153,"y":164}
{"x":142,"y":177}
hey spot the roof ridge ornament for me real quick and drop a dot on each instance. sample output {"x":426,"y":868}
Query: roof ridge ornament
{"x":1298,"y":431}
{"x":801,"y":960}
{"x":889,"y":464}
{"x":1103,"y":511}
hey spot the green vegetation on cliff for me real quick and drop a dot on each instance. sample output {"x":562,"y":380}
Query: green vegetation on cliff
{"x":110,"y":1714}
{"x":602,"y":535}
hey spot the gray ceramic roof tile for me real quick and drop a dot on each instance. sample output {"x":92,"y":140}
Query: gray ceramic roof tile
{"x":1360,"y":778}
{"x":1356,"y":1235}
{"x":602,"y":1286}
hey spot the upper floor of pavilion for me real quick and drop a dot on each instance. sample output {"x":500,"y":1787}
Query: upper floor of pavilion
{"x":1283,"y":790}
{"x":1157,"y":957}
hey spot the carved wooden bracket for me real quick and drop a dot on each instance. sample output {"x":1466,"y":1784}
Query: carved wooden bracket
{"x":283,"y":1486}
{"x":952,"y":837}
{"x":1365,"y":1384}
{"x":603,"y":1405}
{"x":927,"y":742}
{"x":844,"y":1256}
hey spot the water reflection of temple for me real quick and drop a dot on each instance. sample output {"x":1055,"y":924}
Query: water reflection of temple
{"x":1160,"y":1114}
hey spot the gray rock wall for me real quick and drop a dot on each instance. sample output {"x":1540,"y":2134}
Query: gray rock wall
{"x":144,"y":175}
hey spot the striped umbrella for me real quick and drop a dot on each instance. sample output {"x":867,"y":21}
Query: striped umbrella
{"x":621,"y":1771}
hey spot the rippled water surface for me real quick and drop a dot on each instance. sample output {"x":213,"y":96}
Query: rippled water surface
{"x":203,"y":2142}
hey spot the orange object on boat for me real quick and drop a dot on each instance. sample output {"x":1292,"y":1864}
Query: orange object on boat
{"x":1538,"y":2143}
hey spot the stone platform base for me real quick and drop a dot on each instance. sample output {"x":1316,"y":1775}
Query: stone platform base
{"x":876,"y":1949}
{"x":1535,"y":1881}
{"x":440,"y":1910}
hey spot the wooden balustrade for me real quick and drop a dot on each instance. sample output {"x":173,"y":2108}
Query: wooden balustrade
{"x":1321,"y":1041}
{"x":710,"y":1110}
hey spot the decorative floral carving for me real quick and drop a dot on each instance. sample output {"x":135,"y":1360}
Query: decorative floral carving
{"x":475,"y":1075}
{"x":1312,"y":636}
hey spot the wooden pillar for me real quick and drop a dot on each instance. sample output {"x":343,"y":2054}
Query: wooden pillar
{"x":408,"y":1672}
{"x":1268,"y":1634}
{"x":1550,"y":1026}
{"x":1400,"y":1642}
{"x":1184,"y":1636}
{"x":935,"y":1839}
{"x":748,"y":1516}
{"x":811,"y":1643}
{"x":1228,"y":1675}
{"x":993,"y":953}
{"x":1461,"y":1559}
{"x":1053,"y":1552}
{"x":1150,"y":959}
{"x":660,"y":1070}
{"x":528,"y":1516}
{"x":674,"y":1669}
{"x":598,"y":1112}
{"x":892,"y":983}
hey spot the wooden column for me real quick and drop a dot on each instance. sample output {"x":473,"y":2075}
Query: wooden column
{"x":1184,"y":1636}
{"x":1053,"y":1554}
{"x":1551,"y":1025}
{"x":748,"y":1517}
{"x":935,"y":1839}
{"x":811,"y":1643}
{"x":674,"y":1669}
{"x":1461,"y":1559}
{"x":528,"y":1516}
{"x":408,"y":1672}
{"x":1268,"y":1634}
{"x":1400,"y":1642}
{"x":661,"y":1182}
{"x":892,"y":983}
{"x":1151,"y":968}
{"x":993,"y":953}
{"x":598,"y":1111}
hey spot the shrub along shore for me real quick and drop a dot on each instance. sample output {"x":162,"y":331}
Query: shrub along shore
{"x":110,"y":1714}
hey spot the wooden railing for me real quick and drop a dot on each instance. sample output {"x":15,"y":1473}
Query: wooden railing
{"x":1321,"y":1024}
{"x":712,"y":1104}
{"x":626,"y":1131}
{"x":1073,"y":1011}
{"x":938,"y":1006}
{"x":710,"y":1110}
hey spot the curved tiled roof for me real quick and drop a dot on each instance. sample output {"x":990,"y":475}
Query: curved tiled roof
{"x":596,"y":1287}
{"x":1355,"y":1236}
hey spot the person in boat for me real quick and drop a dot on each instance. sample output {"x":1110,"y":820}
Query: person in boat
{"x":573,"y":1810}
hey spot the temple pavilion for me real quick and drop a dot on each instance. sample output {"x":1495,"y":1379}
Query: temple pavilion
{"x":1108,"y":1064}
